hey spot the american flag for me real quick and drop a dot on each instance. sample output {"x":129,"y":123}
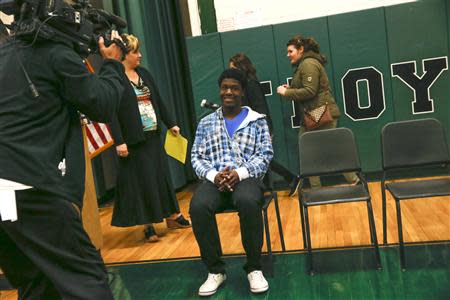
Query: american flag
{"x":98,"y":135}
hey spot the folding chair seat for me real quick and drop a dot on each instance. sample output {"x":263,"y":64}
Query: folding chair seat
{"x":406,"y":146}
{"x":324,"y":153}
{"x":269,"y":195}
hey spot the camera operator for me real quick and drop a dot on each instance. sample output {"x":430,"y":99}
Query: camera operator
{"x":46,"y":253}
{"x":3,"y":32}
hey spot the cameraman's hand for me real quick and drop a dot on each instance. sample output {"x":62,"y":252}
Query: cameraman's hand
{"x":113,"y":51}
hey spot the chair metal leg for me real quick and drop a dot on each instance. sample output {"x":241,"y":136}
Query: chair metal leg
{"x":280,"y":227}
{"x":302,"y":220}
{"x":269,"y":246}
{"x":308,"y":238}
{"x":383,"y":209}
{"x":400,"y":235}
{"x":370,"y":221}
{"x":373,"y":234}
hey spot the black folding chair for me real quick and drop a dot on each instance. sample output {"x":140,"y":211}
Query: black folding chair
{"x":406,"y":146}
{"x":324,"y":153}
{"x":269,"y":195}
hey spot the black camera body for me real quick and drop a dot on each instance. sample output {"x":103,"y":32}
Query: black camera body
{"x":8,"y":6}
{"x":75,"y":21}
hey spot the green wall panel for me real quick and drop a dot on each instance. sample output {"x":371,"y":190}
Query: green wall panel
{"x":416,"y":32}
{"x":358,"y":40}
{"x":206,"y":64}
{"x":257,"y":44}
{"x":447,"y":4}
{"x":316,"y":28}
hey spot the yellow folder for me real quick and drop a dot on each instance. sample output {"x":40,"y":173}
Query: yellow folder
{"x":176,"y":146}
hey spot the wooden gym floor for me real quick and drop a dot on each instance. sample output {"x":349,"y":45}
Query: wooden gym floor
{"x":332,"y":226}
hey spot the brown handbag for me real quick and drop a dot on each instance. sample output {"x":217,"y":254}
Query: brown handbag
{"x":317,"y":117}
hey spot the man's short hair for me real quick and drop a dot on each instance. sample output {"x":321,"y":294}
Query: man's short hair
{"x":234,"y":74}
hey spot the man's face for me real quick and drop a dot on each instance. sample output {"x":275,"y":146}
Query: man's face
{"x":231,"y":93}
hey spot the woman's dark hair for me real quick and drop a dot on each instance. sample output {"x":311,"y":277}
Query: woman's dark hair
{"x":309,"y":44}
{"x":243,"y":63}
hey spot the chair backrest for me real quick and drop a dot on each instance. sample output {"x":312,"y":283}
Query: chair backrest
{"x":268,"y":181}
{"x":328,"y":151}
{"x":413,"y":143}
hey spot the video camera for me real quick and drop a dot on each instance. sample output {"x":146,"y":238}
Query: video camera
{"x":75,"y":21}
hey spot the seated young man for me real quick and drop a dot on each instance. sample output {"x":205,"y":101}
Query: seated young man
{"x":231,"y":153}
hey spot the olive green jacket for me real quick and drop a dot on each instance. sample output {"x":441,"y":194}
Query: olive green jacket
{"x":310,"y":85}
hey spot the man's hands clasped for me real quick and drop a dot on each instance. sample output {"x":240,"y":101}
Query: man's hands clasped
{"x":226,"y":180}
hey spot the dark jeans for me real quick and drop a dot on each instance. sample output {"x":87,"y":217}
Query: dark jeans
{"x":47,"y":254}
{"x":247,"y":198}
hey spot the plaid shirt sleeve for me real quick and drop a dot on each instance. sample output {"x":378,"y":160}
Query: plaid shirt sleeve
{"x":258,"y":163}
{"x":201,"y":164}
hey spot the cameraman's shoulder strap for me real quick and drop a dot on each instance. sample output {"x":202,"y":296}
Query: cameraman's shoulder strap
{"x":31,"y":85}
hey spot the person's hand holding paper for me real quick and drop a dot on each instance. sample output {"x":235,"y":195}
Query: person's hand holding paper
{"x":176,"y":146}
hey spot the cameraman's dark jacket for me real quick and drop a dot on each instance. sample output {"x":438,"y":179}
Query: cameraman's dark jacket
{"x":36,"y":134}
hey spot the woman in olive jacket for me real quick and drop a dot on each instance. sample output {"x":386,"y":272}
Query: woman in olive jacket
{"x":310,"y":86}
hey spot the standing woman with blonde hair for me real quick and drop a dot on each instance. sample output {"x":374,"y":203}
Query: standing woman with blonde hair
{"x":144,"y":191}
{"x":310,"y":86}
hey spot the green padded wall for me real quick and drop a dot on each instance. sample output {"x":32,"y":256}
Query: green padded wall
{"x":206,"y":64}
{"x":245,"y":41}
{"x":357,"y":44}
{"x":447,"y":4}
{"x":358,"y":40}
{"x":410,"y":40}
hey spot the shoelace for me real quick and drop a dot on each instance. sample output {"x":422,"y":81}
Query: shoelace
{"x":214,"y":277}
{"x":257,"y":275}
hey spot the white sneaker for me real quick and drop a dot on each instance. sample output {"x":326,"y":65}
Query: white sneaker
{"x":258,"y":283}
{"x":210,"y":286}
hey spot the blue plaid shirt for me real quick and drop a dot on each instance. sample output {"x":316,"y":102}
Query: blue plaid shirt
{"x":250,"y":148}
